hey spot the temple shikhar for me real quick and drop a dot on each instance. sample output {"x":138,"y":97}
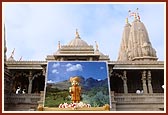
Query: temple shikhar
{"x":136,"y":78}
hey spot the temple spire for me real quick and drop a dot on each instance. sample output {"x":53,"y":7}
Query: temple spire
{"x":135,"y":44}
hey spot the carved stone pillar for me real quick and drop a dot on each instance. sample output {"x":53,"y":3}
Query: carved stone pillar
{"x":113,"y":102}
{"x":149,"y":82}
{"x":31,"y":77}
{"x":44,"y":70}
{"x":125,"y":82}
{"x":144,"y":82}
{"x":110,"y":71}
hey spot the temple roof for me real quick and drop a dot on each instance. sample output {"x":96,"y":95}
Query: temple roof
{"x":75,"y":46}
{"x":79,"y":48}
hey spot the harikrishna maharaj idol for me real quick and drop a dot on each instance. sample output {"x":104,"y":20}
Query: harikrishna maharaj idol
{"x":75,"y":89}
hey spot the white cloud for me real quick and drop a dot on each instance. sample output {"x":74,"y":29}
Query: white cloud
{"x":101,"y":67}
{"x":50,"y":81}
{"x":98,"y":79}
{"x":55,"y":71}
{"x":68,"y":65}
{"x":55,"y":65}
{"x":77,"y":67}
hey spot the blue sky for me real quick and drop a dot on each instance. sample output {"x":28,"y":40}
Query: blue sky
{"x":60,"y":71}
{"x":34,"y":29}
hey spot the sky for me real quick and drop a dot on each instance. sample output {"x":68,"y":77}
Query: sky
{"x":34,"y":29}
{"x":61,"y":71}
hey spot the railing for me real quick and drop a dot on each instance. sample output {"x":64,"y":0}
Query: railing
{"x":23,"y":98}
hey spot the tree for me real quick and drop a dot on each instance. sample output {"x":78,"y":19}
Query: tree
{"x":99,"y":99}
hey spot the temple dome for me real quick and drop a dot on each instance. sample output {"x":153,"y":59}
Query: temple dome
{"x":77,"y":41}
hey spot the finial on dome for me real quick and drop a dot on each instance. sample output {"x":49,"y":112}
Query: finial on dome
{"x":129,"y":13}
{"x":97,"y":47}
{"x":11,"y":58}
{"x":77,"y":34}
{"x":20,"y":58}
{"x":59,"y":45}
{"x":12,"y":54}
{"x":137,"y":14}
{"x":127,"y":20}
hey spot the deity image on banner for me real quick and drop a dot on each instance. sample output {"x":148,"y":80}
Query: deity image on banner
{"x":77,"y":85}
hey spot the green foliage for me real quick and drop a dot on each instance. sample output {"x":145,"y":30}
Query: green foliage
{"x":97,"y":96}
{"x":93,"y":91}
{"x":97,"y":100}
{"x":54,"y":97}
{"x":85,"y":98}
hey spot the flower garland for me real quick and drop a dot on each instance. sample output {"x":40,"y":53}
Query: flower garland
{"x":74,"y":105}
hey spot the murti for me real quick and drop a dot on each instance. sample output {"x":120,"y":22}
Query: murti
{"x":75,"y":89}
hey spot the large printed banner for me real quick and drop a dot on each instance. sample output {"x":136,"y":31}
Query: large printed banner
{"x":72,"y":82}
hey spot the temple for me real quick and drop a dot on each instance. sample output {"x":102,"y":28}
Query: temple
{"x":136,"y":78}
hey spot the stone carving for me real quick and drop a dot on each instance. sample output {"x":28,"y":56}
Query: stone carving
{"x":31,"y":78}
{"x":123,"y":76}
{"x":144,"y":82}
{"x":135,"y":44}
{"x":149,"y":82}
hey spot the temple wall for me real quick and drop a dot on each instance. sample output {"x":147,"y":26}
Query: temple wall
{"x":141,"y":102}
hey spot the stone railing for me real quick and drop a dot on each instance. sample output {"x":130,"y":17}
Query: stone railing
{"x":141,"y":98}
{"x":23,"y":98}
